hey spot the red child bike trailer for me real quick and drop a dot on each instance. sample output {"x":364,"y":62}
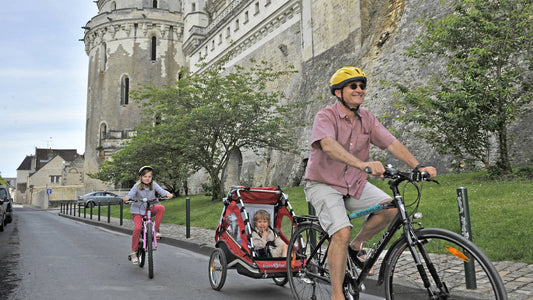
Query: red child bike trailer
{"x":234,"y":248}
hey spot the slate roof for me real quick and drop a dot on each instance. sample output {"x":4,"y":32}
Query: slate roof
{"x":26,"y":164}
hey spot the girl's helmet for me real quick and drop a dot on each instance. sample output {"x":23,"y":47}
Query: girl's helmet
{"x":345,"y":75}
{"x":149,"y":168}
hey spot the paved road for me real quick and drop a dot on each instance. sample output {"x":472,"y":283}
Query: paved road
{"x":44,"y":256}
{"x":49,"y":257}
{"x":518,"y":277}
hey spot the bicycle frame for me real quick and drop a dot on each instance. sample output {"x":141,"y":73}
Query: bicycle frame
{"x":387,"y":236}
{"x":436,"y":278}
{"x":400,"y":220}
{"x":147,"y":219}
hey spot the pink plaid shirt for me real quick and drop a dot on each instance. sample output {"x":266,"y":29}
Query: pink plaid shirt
{"x":355,"y":137}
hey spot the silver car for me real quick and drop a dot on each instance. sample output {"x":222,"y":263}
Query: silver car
{"x":92,"y":199}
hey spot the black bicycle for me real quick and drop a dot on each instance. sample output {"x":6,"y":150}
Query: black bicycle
{"x":423,"y":263}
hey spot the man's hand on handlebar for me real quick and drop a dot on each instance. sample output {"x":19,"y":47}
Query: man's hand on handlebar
{"x":374,"y":168}
{"x":430,"y":170}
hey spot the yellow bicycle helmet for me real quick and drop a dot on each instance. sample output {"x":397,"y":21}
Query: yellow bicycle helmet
{"x":345,"y":75}
{"x":145,"y":168}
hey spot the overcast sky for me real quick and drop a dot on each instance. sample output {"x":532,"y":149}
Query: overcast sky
{"x":43,"y":78}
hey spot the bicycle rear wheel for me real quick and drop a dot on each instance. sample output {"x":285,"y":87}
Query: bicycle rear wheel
{"x":150,"y":249}
{"x":307,"y":263}
{"x":447,"y":252}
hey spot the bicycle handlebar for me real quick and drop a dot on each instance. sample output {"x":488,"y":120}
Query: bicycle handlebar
{"x":413,"y":176}
{"x":144,"y":200}
{"x":396,"y":177}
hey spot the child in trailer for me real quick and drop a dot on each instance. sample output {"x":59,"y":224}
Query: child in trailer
{"x":263,"y":236}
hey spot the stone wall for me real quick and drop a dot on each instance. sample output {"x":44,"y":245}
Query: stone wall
{"x":387,"y":28}
{"x":39,"y":198}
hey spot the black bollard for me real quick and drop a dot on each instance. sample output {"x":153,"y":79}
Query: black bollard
{"x":188,"y":217}
{"x":466,"y":231}
{"x":121,"y":212}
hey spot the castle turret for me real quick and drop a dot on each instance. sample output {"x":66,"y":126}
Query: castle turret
{"x":129,"y":43}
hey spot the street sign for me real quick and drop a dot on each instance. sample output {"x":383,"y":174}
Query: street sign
{"x":49,"y":191}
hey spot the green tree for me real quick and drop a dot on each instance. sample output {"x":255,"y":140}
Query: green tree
{"x":487,"y":80}
{"x":207,"y":115}
{"x":169,"y":168}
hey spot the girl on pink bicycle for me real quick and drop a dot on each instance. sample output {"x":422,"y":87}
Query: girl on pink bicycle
{"x":145,"y":189}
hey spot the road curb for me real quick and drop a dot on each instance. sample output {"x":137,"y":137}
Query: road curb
{"x":191,"y":246}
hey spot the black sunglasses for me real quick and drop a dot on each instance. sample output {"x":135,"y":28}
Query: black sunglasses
{"x":354,"y":85}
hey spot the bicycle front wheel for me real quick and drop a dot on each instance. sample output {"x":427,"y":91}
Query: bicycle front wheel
{"x":307,"y":263}
{"x":218,"y":269}
{"x":150,"y":249}
{"x":455,"y":268}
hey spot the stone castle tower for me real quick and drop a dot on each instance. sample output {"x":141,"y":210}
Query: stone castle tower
{"x":133,"y":42}
{"x":129,"y":42}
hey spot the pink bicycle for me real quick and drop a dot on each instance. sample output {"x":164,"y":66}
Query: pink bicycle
{"x":147,"y":242}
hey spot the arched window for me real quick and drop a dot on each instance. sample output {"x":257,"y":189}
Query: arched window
{"x":124,"y":90}
{"x":154,"y":47}
{"x":154,"y":4}
{"x":103,"y":133}
{"x":113,"y":5}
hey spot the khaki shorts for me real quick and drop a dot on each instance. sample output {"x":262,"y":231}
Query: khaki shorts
{"x":331,"y":207}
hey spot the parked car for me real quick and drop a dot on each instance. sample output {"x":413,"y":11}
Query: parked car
{"x":92,"y":199}
{"x":6,"y":207}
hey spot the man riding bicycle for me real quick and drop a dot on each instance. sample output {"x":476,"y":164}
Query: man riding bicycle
{"x":335,"y":175}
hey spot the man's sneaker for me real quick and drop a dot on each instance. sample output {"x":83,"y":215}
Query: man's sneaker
{"x":157,"y":235}
{"x":359,"y":257}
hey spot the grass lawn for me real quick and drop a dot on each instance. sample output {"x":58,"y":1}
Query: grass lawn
{"x":500,"y":211}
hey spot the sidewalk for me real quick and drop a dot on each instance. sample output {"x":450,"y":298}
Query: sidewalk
{"x":518,"y":277}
